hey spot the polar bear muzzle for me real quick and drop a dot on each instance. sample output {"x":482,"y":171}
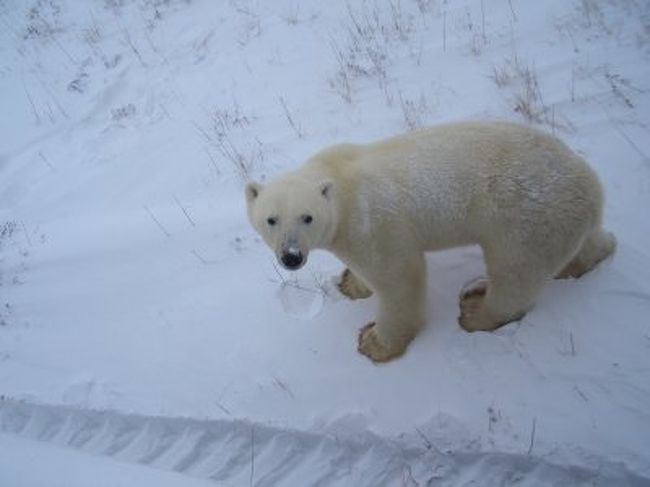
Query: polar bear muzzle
{"x":292,"y":259}
{"x":291,"y":254}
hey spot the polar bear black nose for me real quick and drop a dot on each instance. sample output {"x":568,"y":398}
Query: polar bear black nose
{"x":292,"y":260}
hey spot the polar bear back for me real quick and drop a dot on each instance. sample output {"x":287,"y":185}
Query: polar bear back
{"x":459,"y":184}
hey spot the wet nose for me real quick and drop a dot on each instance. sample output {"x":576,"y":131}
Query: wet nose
{"x":292,"y":260}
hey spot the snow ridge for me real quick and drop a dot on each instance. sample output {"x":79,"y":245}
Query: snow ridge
{"x":240,"y":452}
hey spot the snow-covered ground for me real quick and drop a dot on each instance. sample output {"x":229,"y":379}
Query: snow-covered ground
{"x":144,"y":324}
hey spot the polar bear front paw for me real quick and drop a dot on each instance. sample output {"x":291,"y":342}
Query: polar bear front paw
{"x":372,"y":347}
{"x":352,"y":287}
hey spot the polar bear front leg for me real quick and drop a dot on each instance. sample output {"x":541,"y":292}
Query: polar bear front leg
{"x":401,"y":313}
{"x":352,"y":286}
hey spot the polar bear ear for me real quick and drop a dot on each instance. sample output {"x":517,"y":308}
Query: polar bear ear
{"x":326,"y":189}
{"x":252,"y":191}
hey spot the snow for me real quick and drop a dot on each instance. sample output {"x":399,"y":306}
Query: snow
{"x":100,"y":446}
{"x":134,"y":292}
{"x":60,"y":467}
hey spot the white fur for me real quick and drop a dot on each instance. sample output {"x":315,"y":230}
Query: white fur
{"x":532,"y":204}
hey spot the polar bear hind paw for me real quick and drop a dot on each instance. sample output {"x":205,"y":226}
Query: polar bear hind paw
{"x":473,"y":316}
{"x":475,"y":287}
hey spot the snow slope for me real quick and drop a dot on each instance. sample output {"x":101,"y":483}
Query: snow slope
{"x":62,"y":468}
{"x":243,"y":453}
{"x":132,"y":288}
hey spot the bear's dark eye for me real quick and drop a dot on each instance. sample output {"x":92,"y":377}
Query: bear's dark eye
{"x":271,"y":220}
{"x":307,"y":219}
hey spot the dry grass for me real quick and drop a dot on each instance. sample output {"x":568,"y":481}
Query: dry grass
{"x":414,"y":111}
{"x":369,"y":33}
{"x":527,"y":99}
{"x":229,"y":136}
{"x":292,"y":122}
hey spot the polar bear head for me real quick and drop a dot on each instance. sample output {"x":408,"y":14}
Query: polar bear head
{"x":293,"y":216}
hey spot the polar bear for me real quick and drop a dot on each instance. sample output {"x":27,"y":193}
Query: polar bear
{"x":534,"y":207}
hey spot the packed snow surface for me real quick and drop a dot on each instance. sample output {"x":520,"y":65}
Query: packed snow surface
{"x":147,"y":336}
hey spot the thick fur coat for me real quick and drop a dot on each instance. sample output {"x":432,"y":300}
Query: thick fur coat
{"x":533,"y":205}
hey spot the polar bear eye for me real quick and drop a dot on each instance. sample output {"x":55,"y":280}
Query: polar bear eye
{"x":271,"y":221}
{"x":307,"y":219}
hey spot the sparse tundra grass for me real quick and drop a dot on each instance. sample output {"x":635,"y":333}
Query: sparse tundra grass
{"x":527,"y":99}
{"x":230,"y":137}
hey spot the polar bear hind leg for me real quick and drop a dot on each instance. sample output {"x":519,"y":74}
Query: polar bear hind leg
{"x":505,"y":296}
{"x":517,"y":270}
{"x":597,"y":246}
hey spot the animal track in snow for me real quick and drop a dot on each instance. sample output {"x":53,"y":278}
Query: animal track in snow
{"x":300,"y":299}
